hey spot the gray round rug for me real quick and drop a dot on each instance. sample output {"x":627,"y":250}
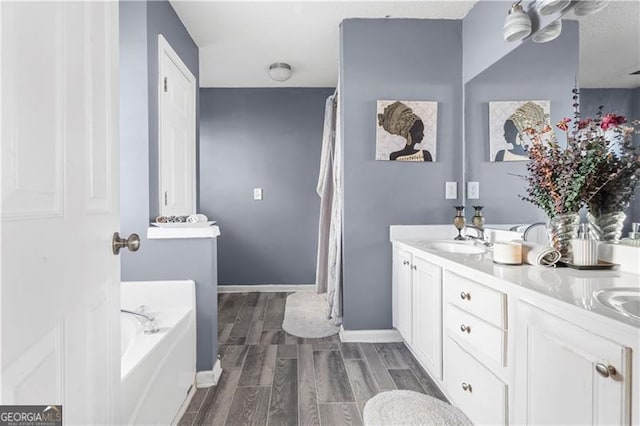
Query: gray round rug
{"x":305,"y":315}
{"x":403,"y":407}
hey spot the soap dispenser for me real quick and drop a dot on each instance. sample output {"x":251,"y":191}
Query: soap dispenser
{"x":478,"y":220}
{"x":459,"y":221}
{"x":634,"y":236}
{"x":585,"y":249}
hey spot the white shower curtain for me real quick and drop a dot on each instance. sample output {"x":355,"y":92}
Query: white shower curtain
{"x":329,"y":261}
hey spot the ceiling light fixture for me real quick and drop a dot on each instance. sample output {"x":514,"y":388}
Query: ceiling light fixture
{"x":547,"y":7}
{"x":550,"y":32}
{"x":588,"y":7}
{"x":280,"y":71}
{"x":517,"y":25}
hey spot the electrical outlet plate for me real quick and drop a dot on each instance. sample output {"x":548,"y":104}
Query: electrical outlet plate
{"x":257,"y":194}
{"x":451,"y":190}
{"x":473,"y":190}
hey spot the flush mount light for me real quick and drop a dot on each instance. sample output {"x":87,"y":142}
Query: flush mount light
{"x":518,"y":23}
{"x":547,"y":7}
{"x":548,"y":33}
{"x":280,"y":71}
{"x":588,"y":7}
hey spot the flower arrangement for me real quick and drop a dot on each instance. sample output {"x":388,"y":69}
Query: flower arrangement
{"x":599,"y":166}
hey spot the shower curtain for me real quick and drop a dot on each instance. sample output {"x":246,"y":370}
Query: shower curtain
{"x":329,"y":260}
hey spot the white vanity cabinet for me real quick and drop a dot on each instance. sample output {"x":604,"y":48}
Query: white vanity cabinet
{"x":417,"y":307}
{"x":568,"y":375}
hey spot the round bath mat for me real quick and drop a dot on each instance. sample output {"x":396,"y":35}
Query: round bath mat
{"x":305,"y":315}
{"x":403,"y":407}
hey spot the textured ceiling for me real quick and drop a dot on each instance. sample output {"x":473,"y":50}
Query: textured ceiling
{"x":238,"y":40}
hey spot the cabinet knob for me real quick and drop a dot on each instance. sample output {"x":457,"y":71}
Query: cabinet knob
{"x":414,"y":267}
{"x":466,"y":387}
{"x":405,"y":262}
{"x":465,"y":296}
{"x":464,"y":328}
{"x":606,"y":370}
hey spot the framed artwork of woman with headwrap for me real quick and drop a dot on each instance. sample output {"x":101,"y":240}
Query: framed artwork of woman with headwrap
{"x":508,"y":125}
{"x":406,"y":131}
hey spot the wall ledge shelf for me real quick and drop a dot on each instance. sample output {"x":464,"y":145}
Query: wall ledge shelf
{"x":158,"y":233}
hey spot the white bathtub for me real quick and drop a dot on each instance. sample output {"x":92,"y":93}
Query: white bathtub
{"x":157,"y":369}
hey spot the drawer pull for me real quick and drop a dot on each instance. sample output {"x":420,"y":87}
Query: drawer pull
{"x":414,"y":267}
{"x":465,"y":296}
{"x":606,"y":370}
{"x":405,"y":262}
{"x":466,"y":387}
{"x":465,"y":328}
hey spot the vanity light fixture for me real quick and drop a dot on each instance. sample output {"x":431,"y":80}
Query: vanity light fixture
{"x":588,"y":7}
{"x":517,"y":25}
{"x":548,"y":33}
{"x":548,"y":7}
{"x":280,"y":71}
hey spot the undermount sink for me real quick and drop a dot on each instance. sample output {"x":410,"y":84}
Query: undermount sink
{"x":453,"y":247}
{"x":625,"y":300}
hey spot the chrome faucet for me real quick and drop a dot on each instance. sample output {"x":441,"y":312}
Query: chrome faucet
{"x":530,"y":228}
{"x":480,"y":237}
{"x":147,"y":321}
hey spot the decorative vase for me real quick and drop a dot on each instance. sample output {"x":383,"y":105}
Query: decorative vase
{"x":606,"y":226}
{"x":478,"y":220}
{"x":562,"y":229}
{"x":459,"y":221}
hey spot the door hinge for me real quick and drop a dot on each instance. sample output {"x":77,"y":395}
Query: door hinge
{"x":165,"y":85}
{"x":165,"y":197}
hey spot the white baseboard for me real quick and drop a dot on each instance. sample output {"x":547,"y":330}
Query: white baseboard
{"x":184,"y":406}
{"x":208,"y":378}
{"x":369,"y":336}
{"x":265,"y":288}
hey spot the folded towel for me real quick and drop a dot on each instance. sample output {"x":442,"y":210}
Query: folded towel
{"x":539,"y":255}
{"x":192,"y":218}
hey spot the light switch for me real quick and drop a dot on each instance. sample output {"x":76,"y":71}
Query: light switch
{"x":450,"y":190}
{"x":257,"y":194}
{"x":473,"y":190}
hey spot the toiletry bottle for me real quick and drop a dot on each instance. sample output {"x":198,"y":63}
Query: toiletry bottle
{"x":634,"y":236}
{"x":585,"y":250}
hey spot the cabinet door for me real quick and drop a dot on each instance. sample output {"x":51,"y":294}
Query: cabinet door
{"x":402,"y":309}
{"x":561,"y":374}
{"x":427,"y":315}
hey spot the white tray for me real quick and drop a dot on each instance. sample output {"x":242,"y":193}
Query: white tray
{"x":184,"y":224}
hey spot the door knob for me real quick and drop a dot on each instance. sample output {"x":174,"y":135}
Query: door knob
{"x":117,"y":243}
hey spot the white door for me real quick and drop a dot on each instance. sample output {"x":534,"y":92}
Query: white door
{"x":177,"y":133}
{"x":427,"y":315}
{"x":60,"y":207}
{"x":402,"y":293}
{"x":568,"y":375}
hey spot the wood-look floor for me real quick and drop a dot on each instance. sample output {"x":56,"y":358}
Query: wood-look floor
{"x":271,"y":377}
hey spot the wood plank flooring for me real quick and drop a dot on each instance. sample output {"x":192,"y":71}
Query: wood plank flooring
{"x":271,"y":377}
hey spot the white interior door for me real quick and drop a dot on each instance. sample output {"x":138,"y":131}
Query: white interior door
{"x":60,"y":205}
{"x":177,"y":133}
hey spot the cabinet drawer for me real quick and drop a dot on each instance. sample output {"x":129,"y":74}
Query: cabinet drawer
{"x":475,"y":334}
{"x":475,"y":390}
{"x":486,"y":303}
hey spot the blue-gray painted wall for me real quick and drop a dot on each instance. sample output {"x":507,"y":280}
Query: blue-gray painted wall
{"x":405,"y":59}
{"x":532,"y":72}
{"x":157,"y":259}
{"x":269,"y":139}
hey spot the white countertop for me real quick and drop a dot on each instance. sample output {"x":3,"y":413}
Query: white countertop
{"x":160,"y":233}
{"x":575,"y":287}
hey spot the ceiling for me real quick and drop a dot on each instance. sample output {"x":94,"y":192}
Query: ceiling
{"x":238,"y":40}
{"x":610,"y":46}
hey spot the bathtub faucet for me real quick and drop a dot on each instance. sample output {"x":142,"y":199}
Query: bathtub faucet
{"x":148,"y":321}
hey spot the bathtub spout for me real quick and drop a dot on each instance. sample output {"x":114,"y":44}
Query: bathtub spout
{"x":147,"y":321}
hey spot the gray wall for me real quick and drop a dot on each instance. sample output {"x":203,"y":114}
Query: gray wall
{"x":157,"y":259}
{"x":269,"y":139}
{"x":406,"y":59}
{"x":620,"y":101}
{"x":532,"y":72}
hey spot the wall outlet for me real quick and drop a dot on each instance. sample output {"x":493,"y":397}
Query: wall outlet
{"x":257,"y":194}
{"x":450,"y":190}
{"x":473,"y":190}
